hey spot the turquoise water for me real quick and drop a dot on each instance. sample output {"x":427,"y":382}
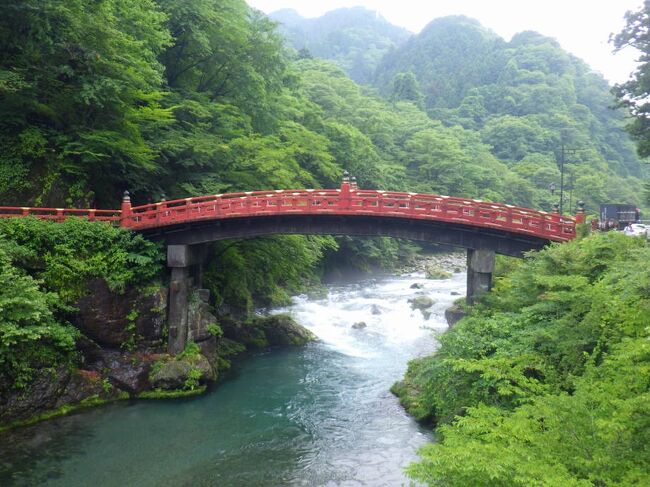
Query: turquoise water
{"x":315,"y":415}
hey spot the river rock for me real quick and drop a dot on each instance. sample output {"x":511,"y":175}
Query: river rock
{"x":283,"y":330}
{"x":435,"y":272}
{"x":359,"y":325}
{"x":416,"y":285}
{"x":421,"y":302}
{"x":375,"y":310}
{"x":173,"y":373}
{"x":454,"y":314}
{"x":126,"y":371}
{"x":426,"y":314}
{"x":455,"y":293}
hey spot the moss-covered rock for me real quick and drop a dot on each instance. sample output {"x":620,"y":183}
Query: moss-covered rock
{"x":435,"y":272}
{"x":454,"y":314}
{"x":264,"y":331}
{"x":183,"y":372}
{"x":421,"y":302}
{"x":410,"y":395}
{"x":283,"y":330}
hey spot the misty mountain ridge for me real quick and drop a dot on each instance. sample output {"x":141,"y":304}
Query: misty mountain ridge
{"x":523,"y":98}
{"x":355,"y":38}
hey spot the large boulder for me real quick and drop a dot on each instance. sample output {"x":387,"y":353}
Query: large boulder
{"x":128,"y":372}
{"x":421,"y":302}
{"x":283,"y":330}
{"x":264,"y":331}
{"x":49,"y":390}
{"x":454,"y":314}
{"x":435,"y":272}
{"x":177,"y":372}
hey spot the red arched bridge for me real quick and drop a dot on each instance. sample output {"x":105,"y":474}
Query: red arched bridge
{"x":168,"y":217}
{"x":483,"y":228}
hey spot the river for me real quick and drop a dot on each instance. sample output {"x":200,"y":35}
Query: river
{"x":319,"y":415}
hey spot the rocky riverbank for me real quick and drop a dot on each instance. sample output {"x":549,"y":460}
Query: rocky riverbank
{"x":122,"y":354}
{"x":121,"y":348}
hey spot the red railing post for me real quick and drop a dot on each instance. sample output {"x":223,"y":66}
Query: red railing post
{"x":125,"y":213}
{"x":345,"y":190}
{"x":580,"y":213}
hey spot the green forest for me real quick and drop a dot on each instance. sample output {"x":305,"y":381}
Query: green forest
{"x":547,"y":381}
{"x":174,"y":99}
{"x":544,"y":383}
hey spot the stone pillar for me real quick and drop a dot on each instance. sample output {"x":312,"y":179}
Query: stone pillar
{"x":180,"y":259}
{"x":480,"y":265}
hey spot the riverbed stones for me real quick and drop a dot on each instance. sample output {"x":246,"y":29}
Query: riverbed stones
{"x":421,"y":302}
{"x":359,"y":325}
{"x":375,"y":310}
{"x":436,"y":272}
{"x":416,"y":285}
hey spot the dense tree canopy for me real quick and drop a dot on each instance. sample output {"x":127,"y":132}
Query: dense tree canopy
{"x":355,"y":38}
{"x":526,"y":97}
{"x":634,"y":93}
{"x":547,"y":382}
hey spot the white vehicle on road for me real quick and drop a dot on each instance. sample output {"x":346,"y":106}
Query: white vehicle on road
{"x":636,"y":230}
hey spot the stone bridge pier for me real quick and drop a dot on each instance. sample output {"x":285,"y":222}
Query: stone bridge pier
{"x":186,"y":266}
{"x":480,"y":266}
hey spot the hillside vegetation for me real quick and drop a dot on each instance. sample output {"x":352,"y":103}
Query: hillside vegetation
{"x":355,"y":38}
{"x":548,"y":382}
{"x":525,"y":99}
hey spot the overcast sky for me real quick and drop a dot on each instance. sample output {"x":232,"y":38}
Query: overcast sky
{"x":581,"y":26}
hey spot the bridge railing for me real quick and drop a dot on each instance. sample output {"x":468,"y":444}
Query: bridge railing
{"x":343,"y":201}
{"x":60,"y":214}
{"x":368,"y":202}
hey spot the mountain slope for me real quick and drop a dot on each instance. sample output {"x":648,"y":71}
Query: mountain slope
{"x":528,"y":98}
{"x":355,"y":38}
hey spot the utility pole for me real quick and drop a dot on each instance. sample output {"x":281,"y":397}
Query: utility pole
{"x":562,"y":161}
{"x":572,"y":176}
